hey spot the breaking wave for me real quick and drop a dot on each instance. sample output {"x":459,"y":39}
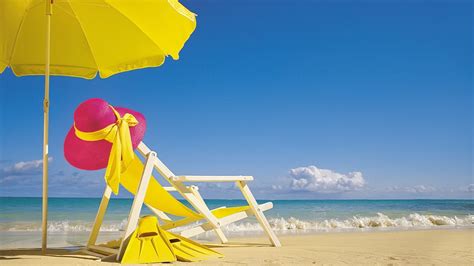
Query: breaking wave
{"x":289,"y":225}
{"x":62,"y":226}
{"x":414,"y":220}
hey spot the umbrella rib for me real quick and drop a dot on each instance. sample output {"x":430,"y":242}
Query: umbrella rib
{"x":16,"y":37}
{"x":85,"y":35}
{"x":137,"y":26}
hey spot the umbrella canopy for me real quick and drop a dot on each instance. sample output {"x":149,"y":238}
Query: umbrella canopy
{"x":80,"y":38}
{"x":90,"y":36}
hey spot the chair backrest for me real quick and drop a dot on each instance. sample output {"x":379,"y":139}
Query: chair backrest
{"x":156,"y":196}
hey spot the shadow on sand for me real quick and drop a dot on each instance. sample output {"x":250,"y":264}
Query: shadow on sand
{"x":73,"y":253}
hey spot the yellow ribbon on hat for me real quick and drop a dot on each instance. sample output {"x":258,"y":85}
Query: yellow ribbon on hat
{"x":121,"y":154}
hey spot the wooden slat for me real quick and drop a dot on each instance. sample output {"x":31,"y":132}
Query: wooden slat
{"x":143,"y":149}
{"x":197,"y":204}
{"x":224,"y":221}
{"x":160,"y":214}
{"x":100,"y":216}
{"x":258,"y":213}
{"x":102,"y":250}
{"x":217,"y":230}
{"x":90,"y":253}
{"x":137,"y":202}
{"x":196,"y":178}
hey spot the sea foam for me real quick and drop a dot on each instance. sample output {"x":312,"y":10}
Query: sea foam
{"x":414,"y":220}
{"x":281,"y":224}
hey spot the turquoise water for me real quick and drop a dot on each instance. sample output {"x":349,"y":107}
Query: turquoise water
{"x":70,"y":219}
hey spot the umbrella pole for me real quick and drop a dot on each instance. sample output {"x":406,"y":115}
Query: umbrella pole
{"x":44,"y":223}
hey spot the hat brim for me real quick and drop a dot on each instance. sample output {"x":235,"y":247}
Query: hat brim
{"x":94,"y":155}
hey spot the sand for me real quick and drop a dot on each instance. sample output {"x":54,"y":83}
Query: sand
{"x":446,"y":247}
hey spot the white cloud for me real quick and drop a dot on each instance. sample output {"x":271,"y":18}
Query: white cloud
{"x":27,"y":167}
{"x":314,"y":179}
{"x":416,"y":189}
{"x":21,"y":169}
{"x":420,"y":189}
{"x":470,"y":188}
{"x":277,"y":187}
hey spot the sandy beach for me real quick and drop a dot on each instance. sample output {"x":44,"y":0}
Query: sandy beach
{"x":441,"y":247}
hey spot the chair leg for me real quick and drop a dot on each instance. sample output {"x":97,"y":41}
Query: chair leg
{"x":220,"y":235}
{"x":159,"y":213}
{"x":258,"y":213}
{"x":217,"y":230}
{"x":100,"y":216}
{"x":137,"y":203}
{"x":200,"y":206}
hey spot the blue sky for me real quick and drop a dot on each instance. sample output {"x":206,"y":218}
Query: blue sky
{"x":378,"y":95}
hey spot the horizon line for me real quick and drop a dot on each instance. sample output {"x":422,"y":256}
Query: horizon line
{"x":126,"y":198}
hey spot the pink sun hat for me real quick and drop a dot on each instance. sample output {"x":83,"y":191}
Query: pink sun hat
{"x":92,"y":115}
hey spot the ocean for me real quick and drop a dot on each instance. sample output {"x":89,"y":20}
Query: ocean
{"x":70,"y":219}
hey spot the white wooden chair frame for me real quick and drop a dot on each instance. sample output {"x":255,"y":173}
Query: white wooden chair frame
{"x":191,"y":194}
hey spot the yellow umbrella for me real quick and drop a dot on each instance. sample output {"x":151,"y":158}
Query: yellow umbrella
{"x":83,"y":37}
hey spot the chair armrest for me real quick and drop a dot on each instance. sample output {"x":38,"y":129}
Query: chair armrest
{"x":197,"y":178}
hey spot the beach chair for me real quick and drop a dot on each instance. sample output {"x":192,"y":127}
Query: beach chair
{"x":139,"y":181}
